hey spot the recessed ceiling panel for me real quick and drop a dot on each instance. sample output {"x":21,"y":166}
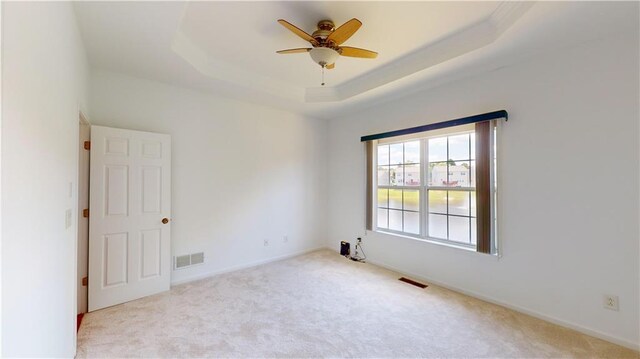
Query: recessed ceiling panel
{"x":229,"y":48}
{"x":247,"y":35}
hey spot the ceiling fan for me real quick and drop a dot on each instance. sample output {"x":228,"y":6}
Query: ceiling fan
{"x":326,"y":41}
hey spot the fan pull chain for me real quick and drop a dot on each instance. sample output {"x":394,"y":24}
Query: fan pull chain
{"x":322,"y":75}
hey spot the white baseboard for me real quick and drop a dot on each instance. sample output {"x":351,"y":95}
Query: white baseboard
{"x":242,"y":266}
{"x":533,"y":313}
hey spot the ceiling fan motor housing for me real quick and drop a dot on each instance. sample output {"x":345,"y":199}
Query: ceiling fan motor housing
{"x":325,"y":28}
{"x":326,"y":25}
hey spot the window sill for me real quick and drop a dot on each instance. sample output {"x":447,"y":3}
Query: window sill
{"x":439,"y":243}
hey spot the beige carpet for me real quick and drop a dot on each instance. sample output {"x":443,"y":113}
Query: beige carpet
{"x":322,"y":305}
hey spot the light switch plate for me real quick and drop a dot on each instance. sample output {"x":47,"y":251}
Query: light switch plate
{"x":68,"y":218}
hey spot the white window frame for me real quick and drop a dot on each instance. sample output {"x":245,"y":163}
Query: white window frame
{"x":424,"y":188}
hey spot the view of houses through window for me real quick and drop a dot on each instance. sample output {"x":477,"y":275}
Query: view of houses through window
{"x":442,"y":206}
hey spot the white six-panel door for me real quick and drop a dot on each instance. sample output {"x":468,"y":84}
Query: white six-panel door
{"x":130,"y":195}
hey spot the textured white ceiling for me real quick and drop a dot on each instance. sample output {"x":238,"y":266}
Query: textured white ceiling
{"x":247,"y":35}
{"x":229,"y":47}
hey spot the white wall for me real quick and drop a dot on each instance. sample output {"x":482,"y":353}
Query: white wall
{"x":241,"y":173}
{"x":44,"y":72}
{"x":1,"y":27}
{"x":568,"y":186}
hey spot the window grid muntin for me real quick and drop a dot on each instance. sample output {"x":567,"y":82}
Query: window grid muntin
{"x":424,"y":187}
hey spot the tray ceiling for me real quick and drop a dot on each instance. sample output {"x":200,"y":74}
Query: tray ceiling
{"x":229,"y":47}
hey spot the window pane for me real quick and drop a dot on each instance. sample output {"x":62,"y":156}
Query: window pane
{"x":412,"y":152}
{"x":438,"y":174}
{"x":396,"y":175}
{"x":473,"y":231}
{"x":459,"y":147}
{"x":438,"y":226}
{"x":438,"y":149}
{"x":395,"y":198}
{"x":382,"y":218}
{"x":438,"y":202}
{"x":412,"y":222}
{"x":411,"y":200}
{"x":459,"y":174}
{"x":395,"y":220}
{"x":383,"y":155}
{"x":458,"y":202}
{"x":473,"y":203}
{"x":459,"y":229}
{"x":411,"y":175}
{"x":383,"y":175}
{"x":383,"y":197}
{"x":396,"y":153}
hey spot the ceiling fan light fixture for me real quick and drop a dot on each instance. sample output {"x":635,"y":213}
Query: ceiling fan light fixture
{"x":324,"y":56}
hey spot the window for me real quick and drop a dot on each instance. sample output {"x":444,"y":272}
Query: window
{"x":398,"y":189}
{"x":450,"y":189}
{"x":426,"y":186}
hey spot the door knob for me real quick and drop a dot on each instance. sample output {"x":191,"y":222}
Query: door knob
{"x":165,"y":220}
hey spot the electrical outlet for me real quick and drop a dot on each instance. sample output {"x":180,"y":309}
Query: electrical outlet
{"x":610,"y":302}
{"x":285,"y":238}
{"x":266,"y":242}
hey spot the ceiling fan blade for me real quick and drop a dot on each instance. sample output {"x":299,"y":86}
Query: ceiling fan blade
{"x":298,"y":31}
{"x":331,"y":66}
{"x":344,"y":32}
{"x":294,"y":51}
{"x":356,"y":52}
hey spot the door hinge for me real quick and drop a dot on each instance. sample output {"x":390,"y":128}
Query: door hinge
{"x":85,"y":281}
{"x":85,"y":213}
{"x":87,"y":145}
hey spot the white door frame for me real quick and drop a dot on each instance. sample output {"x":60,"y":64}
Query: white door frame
{"x":82,"y":244}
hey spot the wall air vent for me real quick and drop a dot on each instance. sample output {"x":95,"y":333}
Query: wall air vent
{"x":197,"y":258}
{"x":188,"y":260}
{"x":183,"y":261}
